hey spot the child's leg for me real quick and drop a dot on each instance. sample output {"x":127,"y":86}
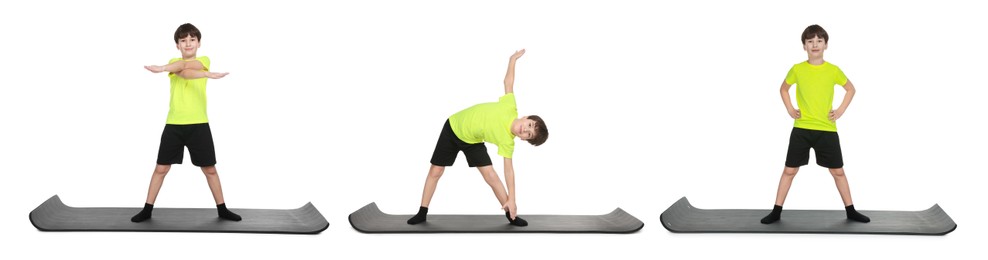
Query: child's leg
{"x":213,"y":179}
{"x":780,"y":196}
{"x":788,"y":174}
{"x":845,"y":195}
{"x":431,"y":181}
{"x":157,"y":178}
{"x":842,"y":186}
{"x":490,"y":176}
{"x":800,"y":142}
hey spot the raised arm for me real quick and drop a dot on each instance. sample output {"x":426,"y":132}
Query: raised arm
{"x":784,"y":91}
{"x":509,"y":78}
{"x":836,"y":114}
{"x":509,"y":179}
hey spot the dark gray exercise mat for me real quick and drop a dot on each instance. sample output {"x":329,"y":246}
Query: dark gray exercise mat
{"x":370,"y":219}
{"x":55,"y":216}
{"x":683,"y":217}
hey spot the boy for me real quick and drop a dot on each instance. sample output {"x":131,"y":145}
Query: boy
{"x":815,"y":125}
{"x":467,"y":130}
{"x":187,"y":125}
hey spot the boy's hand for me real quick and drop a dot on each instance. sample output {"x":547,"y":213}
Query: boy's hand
{"x":216,"y":75}
{"x":511,"y":208}
{"x":795,"y":114}
{"x":835,"y":114}
{"x":155,"y":69}
{"x":517,"y":54}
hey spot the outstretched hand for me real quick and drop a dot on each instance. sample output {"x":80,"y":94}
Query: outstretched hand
{"x":216,"y":75}
{"x":517,"y":54}
{"x":510,"y":206}
{"x":155,"y":69}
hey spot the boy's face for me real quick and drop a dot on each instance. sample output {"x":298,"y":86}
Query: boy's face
{"x":815,"y":47}
{"x":525,"y":129}
{"x":188,"y":46}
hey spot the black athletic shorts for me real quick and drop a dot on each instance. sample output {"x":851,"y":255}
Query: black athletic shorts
{"x":196,"y":136}
{"x":448,"y":145}
{"x":825,"y":144}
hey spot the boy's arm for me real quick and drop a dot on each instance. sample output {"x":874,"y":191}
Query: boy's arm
{"x":509,"y":178}
{"x":194,"y":65}
{"x":784,"y":91}
{"x":836,"y":114}
{"x":195,"y":74}
{"x":174,"y":67}
{"x":509,"y":78}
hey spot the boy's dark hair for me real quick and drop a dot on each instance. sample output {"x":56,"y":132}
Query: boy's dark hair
{"x":541,"y":133}
{"x":186,"y":30}
{"x":815,"y":31}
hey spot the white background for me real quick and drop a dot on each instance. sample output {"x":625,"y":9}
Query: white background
{"x":340,"y":103}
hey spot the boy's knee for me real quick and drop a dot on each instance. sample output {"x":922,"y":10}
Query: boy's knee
{"x":162,"y":169}
{"x":436,"y":171}
{"x":790,"y":171}
{"x":837,"y":172}
{"x":209,"y":170}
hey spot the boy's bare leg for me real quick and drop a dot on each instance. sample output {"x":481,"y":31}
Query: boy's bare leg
{"x":845,"y":194}
{"x":788,"y":174}
{"x":490,"y":176}
{"x":213,"y":179}
{"x":842,"y":187}
{"x":431,"y":181}
{"x":157,"y":178}
{"x":780,"y":196}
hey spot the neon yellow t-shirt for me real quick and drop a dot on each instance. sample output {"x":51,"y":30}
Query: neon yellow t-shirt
{"x":488,"y":122}
{"x":815,"y":93}
{"x":188,"y":97}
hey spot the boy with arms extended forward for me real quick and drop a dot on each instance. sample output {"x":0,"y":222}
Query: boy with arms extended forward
{"x":187,"y":125}
{"x":467,"y":130}
{"x":815,"y":125}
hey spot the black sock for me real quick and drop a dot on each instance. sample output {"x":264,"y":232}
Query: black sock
{"x":854,"y":215}
{"x":145,"y":213}
{"x":226,"y":213}
{"x":518,"y":221}
{"x":420,"y":217}
{"x":774,"y":216}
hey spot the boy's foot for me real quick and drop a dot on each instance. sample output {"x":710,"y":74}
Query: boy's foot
{"x":145,"y":213}
{"x":774,"y":216}
{"x":854,"y":215}
{"x":420,"y":217}
{"x":226,"y":213}
{"x":518,"y":220}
